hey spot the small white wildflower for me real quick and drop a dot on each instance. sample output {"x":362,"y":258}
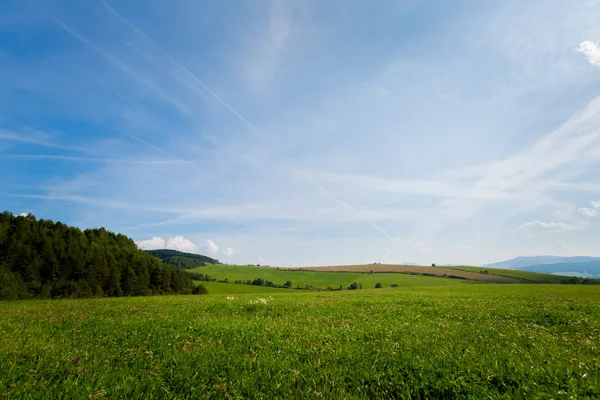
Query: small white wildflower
{"x":230,"y":298}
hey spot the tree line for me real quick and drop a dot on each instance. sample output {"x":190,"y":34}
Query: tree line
{"x":46,"y":259}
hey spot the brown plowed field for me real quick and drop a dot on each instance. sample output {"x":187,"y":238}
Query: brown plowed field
{"x":409,"y":269}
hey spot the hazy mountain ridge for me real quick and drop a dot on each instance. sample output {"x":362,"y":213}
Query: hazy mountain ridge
{"x":582,"y":265}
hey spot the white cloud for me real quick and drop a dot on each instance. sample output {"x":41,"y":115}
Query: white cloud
{"x":587,"y":212}
{"x":175,"y":243}
{"x":595,"y":204}
{"x":211,"y":246}
{"x":553,"y":226}
{"x":23,"y":215}
{"x":181,"y":244}
{"x":151,"y":244}
{"x":591,"y":51}
{"x":227,"y":252}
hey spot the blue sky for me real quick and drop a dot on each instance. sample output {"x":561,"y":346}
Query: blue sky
{"x":306,"y":132}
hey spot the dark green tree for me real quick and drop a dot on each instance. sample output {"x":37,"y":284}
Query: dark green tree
{"x":43,"y":259}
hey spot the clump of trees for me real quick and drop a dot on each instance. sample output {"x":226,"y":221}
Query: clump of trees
{"x":201,"y":277}
{"x":378,"y":285}
{"x":46,"y":259}
{"x":262,"y":282}
{"x":576,"y":280}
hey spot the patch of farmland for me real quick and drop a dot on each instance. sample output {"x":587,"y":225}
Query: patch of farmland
{"x":416,"y":270}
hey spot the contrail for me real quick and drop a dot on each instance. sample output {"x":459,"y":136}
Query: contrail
{"x":114,"y":61}
{"x":182,"y":67}
{"x":129,"y":135}
{"x":231,"y":109}
{"x":349,"y":207}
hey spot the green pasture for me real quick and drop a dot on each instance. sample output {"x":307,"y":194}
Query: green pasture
{"x":229,"y":288}
{"x":323,"y":279}
{"x":455,"y":342}
{"x":524,"y":275}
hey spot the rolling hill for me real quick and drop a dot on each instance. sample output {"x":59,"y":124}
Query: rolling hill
{"x":181,"y":259}
{"x":573,"y":266}
{"x":414,"y":270}
{"x":323,"y":279}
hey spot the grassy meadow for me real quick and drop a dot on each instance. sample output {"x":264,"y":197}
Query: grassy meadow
{"x":228,"y":288}
{"x":323,"y":279}
{"x":523,"y":275}
{"x":456,"y":341}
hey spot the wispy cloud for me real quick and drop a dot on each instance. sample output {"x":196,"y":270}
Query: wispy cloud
{"x":553,"y":226}
{"x":182,"y":68}
{"x":171,"y":156}
{"x":39,"y":138}
{"x":278,"y":33}
{"x":53,"y":157}
{"x":264,"y":51}
{"x":323,"y":147}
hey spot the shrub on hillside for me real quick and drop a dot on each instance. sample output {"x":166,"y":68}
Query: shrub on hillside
{"x":200,"y":289}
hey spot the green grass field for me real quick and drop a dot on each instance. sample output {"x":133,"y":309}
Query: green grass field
{"x":228,"y":288}
{"x":524,"y":275}
{"x":323,"y":279}
{"x":459,"y":341}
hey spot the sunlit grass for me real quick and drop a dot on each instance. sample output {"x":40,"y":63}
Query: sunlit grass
{"x":483,"y":341}
{"x":228,"y":288}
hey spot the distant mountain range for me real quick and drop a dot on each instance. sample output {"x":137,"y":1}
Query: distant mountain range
{"x":568,"y":266}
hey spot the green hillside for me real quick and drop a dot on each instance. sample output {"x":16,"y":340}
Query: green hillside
{"x":534,"y":277}
{"x":229,"y":288}
{"x":322,"y":279}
